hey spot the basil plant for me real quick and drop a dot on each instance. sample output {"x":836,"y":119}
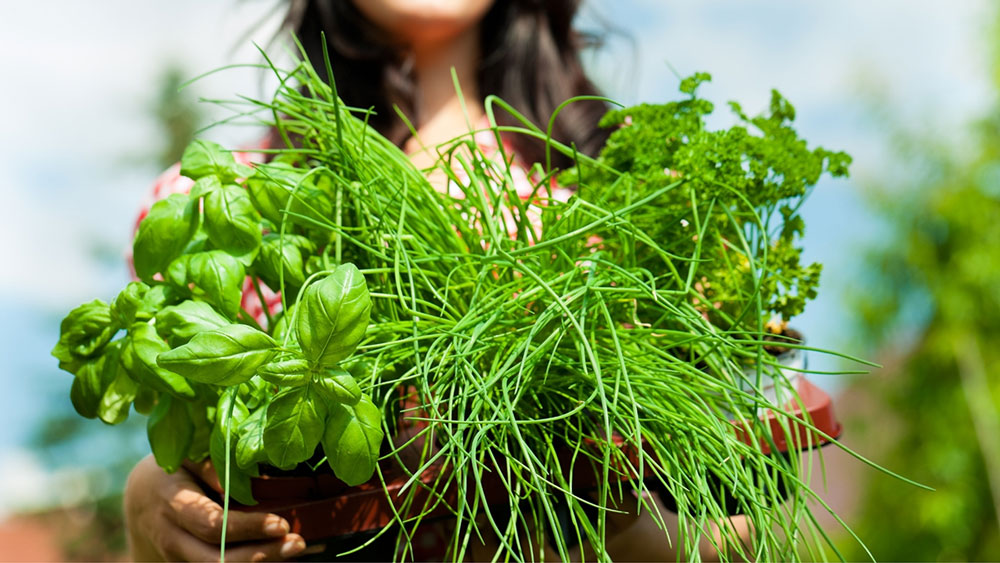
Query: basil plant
{"x":178,"y":346}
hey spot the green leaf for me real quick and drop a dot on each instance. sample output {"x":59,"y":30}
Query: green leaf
{"x":284,"y":330}
{"x":214,"y":276}
{"x":204,"y":186}
{"x":138,"y":302}
{"x":228,"y":417}
{"x":293,"y":427}
{"x":84,"y":332}
{"x":202,"y":158}
{"x":138,"y":357}
{"x":352,"y":439}
{"x":256,"y":392}
{"x":287,"y":373}
{"x":339,"y":386}
{"x":275,"y":187}
{"x":690,"y":84}
{"x":268,"y":197}
{"x":179,"y":323}
{"x":230,"y":411}
{"x":164,"y":234}
{"x":125,"y":306}
{"x":170,"y":431}
{"x":232,"y":223}
{"x":117,"y":398}
{"x":145,"y":400}
{"x":239,"y":481}
{"x":226,"y":356}
{"x":92,"y":381}
{"x":250,"y":448}
{"x":333,"y":316}
{"x":201,"y":438}
{"x":280,"y":259}
{"x":85,"y":393}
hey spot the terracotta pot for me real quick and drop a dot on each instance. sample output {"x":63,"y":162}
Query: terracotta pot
{"x":320,"y":506}
{"x":816,"y":409}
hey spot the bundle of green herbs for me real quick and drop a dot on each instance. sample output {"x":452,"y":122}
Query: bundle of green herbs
{"x":611,"y":331}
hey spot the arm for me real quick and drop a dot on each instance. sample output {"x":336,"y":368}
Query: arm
{"x":169,"y":517}
{"x":634,"y":535}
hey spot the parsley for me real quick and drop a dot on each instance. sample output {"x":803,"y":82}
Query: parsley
{"x":733,"y":217}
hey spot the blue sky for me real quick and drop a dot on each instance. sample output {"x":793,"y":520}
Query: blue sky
{"x":78,"y":78}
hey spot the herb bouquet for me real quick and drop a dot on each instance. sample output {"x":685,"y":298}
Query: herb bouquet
{"x":539,"y":340}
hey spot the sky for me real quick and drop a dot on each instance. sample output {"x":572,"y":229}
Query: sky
{"x":79,"y":78}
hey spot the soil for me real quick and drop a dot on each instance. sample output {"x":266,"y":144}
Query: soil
{"x":786,"y":335}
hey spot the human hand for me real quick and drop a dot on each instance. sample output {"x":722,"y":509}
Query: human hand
{"x":169,"y":517}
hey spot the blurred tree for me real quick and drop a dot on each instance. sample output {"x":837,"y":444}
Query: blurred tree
{"x":931,"y":294}
{"x":177,"y":113}
{"x":94,"y":529}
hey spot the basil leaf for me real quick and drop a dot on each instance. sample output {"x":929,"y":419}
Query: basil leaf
{"x":198,"y":244}
{"x":333,"y":316}
{"x":275,"y":187}
{"x":268,"y":197}
{"x":284,"y":330}
{"x":138,"y":357}
{"x":179,"y":323}
{"x":118,"y":397}
{"x":287,"y":373}
{"x":204,"y":186}
{"x":164,"y":234}
{"x":239,"y":481}
{"x":352,"y":439}
{"x":230,"y":411}
{"x":232,"y":223}
{"x":338,"y":386}
{"x":145,"y":400}
{"x":314,"y":264}
{"x":202,"y":158}
{"x":228,"y":355}
{"x":85,"y":393}
{"x":293,"y":427}
{"x":200,"y":440}
{"x":93,"y":380}
{"x":280,"y":259}
{"x":214,"y":276}
{"x":170,"y":431}
{"x":256,"y":392}
{"x":250,"y":448}
{"x":125,"y":305}
{"x":363,"y":368}
{"x":83,"y":334}
{"x":138,"y":302}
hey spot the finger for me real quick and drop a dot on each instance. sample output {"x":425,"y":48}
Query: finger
{"x":203,"y":517}
{"x":205,"y":471}
{"x":291,"y":546}
{"x":177,"y":544}
{"x":181,"y":546}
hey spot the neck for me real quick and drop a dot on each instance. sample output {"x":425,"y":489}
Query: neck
{"x":438,"y":105}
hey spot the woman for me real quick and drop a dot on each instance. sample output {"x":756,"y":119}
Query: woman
{"x":401,"y":53}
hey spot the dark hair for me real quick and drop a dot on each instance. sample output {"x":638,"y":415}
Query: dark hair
{"x":530,"y":59}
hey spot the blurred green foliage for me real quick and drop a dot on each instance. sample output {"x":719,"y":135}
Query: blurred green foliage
{"x":930,"y":298}
{"x":94,"y":529}
{"x":178,"y":114}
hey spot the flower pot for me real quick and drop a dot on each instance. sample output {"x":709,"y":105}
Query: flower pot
{"x":778,"y":390}
{"x":319,"y":506}
{"x":812,"y":424}
{"x":811,"y":421}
